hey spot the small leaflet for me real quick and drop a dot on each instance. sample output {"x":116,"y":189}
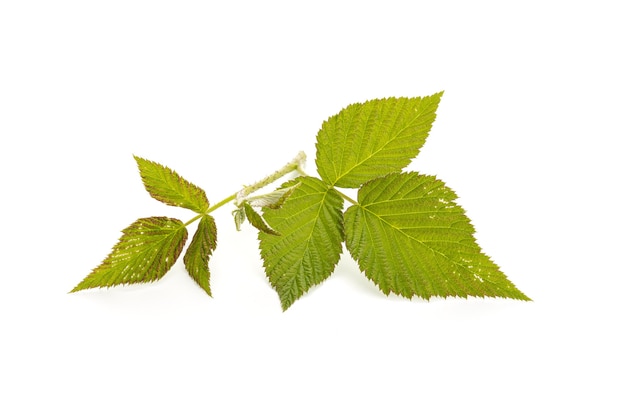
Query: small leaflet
{"x":146,"y":251}
{"x":257,"y":221}
{"x":202,"y":245}
{"x":166,"y":186}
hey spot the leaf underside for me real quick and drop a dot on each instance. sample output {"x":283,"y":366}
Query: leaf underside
{"x":273,"y":200}
{"x":410,"y":238}
{"x":202,"y":245}
{"x":166,"y":186}
{"x":256,"y":220}
{"x":146,"y":251}
{"x":310,"y":242}
{"x":368,"y":140}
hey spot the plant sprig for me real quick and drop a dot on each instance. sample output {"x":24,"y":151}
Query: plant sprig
{"x":405,"y":230}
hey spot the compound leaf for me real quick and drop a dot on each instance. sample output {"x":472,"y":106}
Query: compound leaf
{"x":202,"y":245}
{"x":410,"y":237}
{"x":368,"y":140}
{"x":168,"y":187}
{"x":146,"y":251}
{"x":310,"y":225}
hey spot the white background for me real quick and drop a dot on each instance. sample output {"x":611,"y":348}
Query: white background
{"x":530,"y":134}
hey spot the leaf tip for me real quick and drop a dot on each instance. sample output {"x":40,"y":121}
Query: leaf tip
{"x":79,"y":287}
{"x":285,"y":304}
{"x":207,"y":290}
{"x":524,"y":297}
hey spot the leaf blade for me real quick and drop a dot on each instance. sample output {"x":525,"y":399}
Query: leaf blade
{"x":146,"y":251}
{"x":166,"y":186}
{"x":310,"y":224}
{"x":257,"y":220}
{"x":409,"y":237}
{"x":202,"y":245}
{"x":371,"y":139}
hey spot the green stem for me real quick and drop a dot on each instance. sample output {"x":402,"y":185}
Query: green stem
{"x":221,"y":203}
{"x":193,"y":220}
{"x":294,"y":165}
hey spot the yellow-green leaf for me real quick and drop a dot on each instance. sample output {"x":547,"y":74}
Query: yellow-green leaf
{"x":168,"y":187}
{"x":146,"y":251}
{"x":305,"y":253}
{"x":368,"y":140}
{"x":410,"y":237}
{"x":256,"y":220}
{"x":202,"y":245}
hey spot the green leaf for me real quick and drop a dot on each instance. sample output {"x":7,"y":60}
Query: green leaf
{"x":146,"y":251}
{"x":257,"y":221}
{"x":368,"y":140}
{"x":196,"y":258}
{"x":168,"y":187}
{"x":311,"y":234}
{"x":410,"y":237}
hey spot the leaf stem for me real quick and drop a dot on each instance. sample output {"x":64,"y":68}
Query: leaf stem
{"x":294,"y":165}
{"x":193,"y":220}
{"x":221,"y":203}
